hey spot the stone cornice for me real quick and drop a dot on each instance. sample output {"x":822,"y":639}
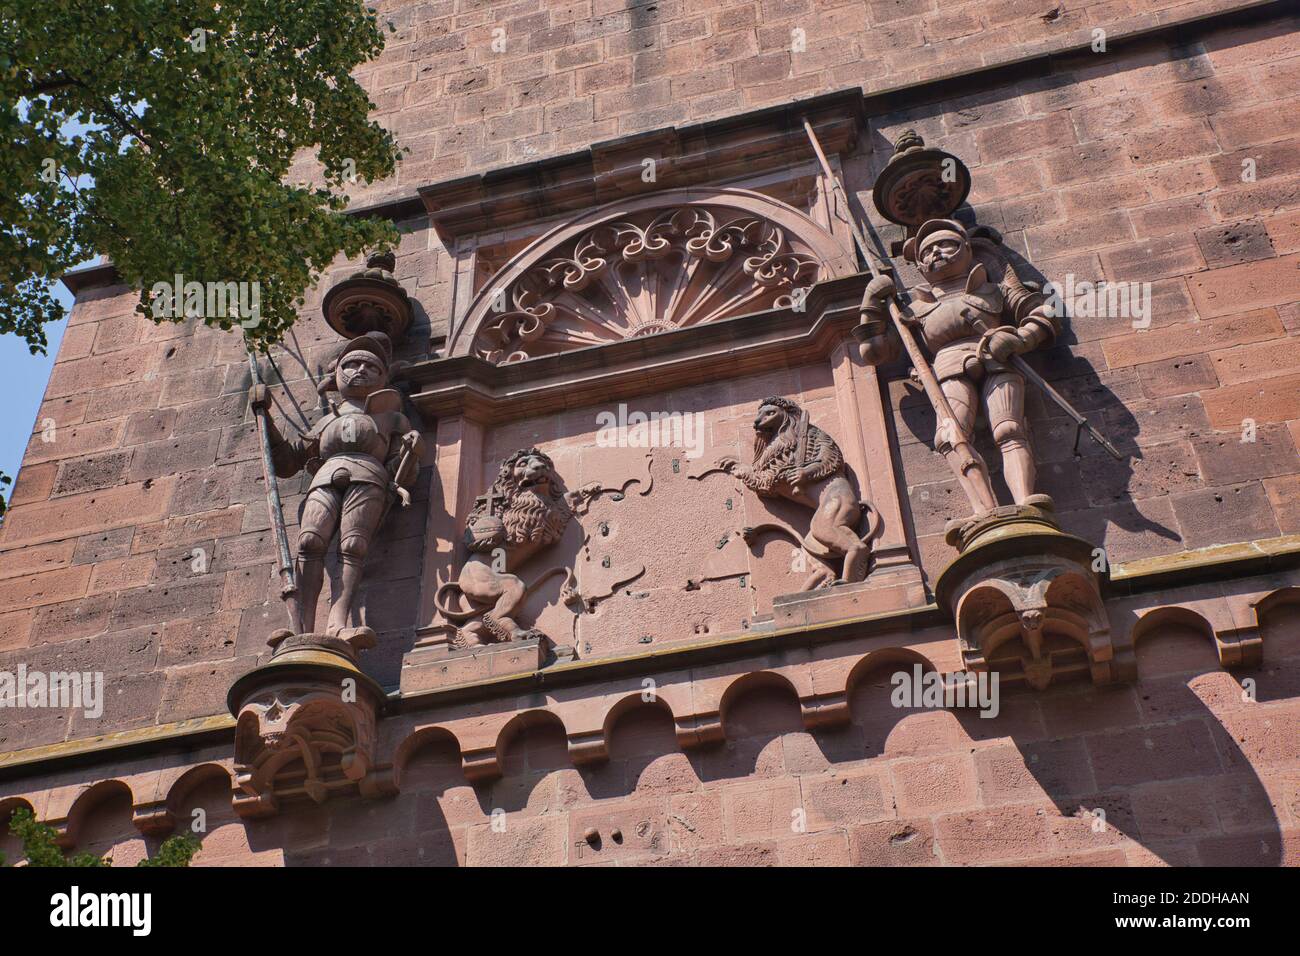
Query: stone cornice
{"x":778,"y":337}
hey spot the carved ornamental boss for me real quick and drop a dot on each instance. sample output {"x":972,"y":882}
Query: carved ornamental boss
{"x":798,"y":461}
{"x":524,"y":512}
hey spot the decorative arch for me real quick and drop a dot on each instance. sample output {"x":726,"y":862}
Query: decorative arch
{"x":651,"y":264}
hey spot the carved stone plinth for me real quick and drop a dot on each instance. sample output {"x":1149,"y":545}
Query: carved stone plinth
{"x":1027,"y":601}
{"x":434,"y":662}
{"x":305,"y":726}
{"x":887,"y":590}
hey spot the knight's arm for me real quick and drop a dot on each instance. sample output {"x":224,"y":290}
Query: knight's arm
{"x":288,"y":455}
{"x":1029,"y":311}
{"x":397,"y":445}
{"x":878,"y":341}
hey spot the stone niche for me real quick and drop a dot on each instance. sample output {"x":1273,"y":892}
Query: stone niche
{"x":631,"y":347}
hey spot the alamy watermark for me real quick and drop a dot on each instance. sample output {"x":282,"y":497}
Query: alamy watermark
{"x":1115,"y":300}
{"x":207,"y":300}
{"x":63,"y":690}
{"x":624,"y":429}
{"x":918,"y":688}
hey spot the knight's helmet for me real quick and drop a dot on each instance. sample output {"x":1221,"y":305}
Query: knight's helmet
{"x":376,"y":343}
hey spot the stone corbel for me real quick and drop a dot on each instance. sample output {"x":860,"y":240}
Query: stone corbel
{"x":306,"y":727}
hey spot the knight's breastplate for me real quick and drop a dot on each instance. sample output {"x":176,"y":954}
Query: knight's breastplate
{"x":957,"y":317}
{"x":353,"y":433}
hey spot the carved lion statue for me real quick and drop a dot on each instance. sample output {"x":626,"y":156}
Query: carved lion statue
{"x":798,"y":461}
{"x":525,"y":511}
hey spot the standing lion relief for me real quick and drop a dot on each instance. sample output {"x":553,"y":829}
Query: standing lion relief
{"x":801,"y":463}
{"x":524,"y":512}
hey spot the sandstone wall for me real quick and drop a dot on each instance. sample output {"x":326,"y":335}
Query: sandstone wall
{"x":1125,"y":166}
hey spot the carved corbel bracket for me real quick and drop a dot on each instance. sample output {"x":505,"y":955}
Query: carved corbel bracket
{"x":1240,"y":646}
{"x":1028,"y":604}
{"x":305,"y":727}
{"x":153,"y":819}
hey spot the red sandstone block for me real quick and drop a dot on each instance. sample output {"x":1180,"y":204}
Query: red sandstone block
{"x":1284,"y":495}
{"x":35,"y":559}
{"x":1145,"y":346}
{"x":49,"y":587}
{"x":695,"y":820}
{"x":15,"y":629}
{"x":893,"y":843}
{"x":1174,"y":216}
{"x":1266,"y":734}
{"x":1225,"y":459}
{"x":610,"y":832}
{"x":1150,"y":259}
{"x":1015,"y":178}
{"x":1033,"y":771}
{"x":1026,"y":137}
{"x":761,"y":810}
{"x":1076,"y":235}
{"x":934,"y":784}
{"x":1179,"y":179}
{"x":821,"y":849}
{"x":1274,"y":399}
{"x":1177,"y":376}
{"x":77,"y":441}
{"x":1262,"y":198}
{"x":1284,"y":231}
{"x":536,"y":841}
{"x":121,"y":574}
{"x":1224,"y":515}
{"x":987,"y":836}
{"x":1166,"y":752}
{"x":1091,"y":161}
{"x":846,"y":797}
{"x":1261,"y":124}
{"x":1246,"y":363}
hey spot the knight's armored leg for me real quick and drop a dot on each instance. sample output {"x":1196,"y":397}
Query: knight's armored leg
{"x":363,"y":508}
{"x":963,"y":395}
{"x":320,"y":515}
{"x":1004,"y":394}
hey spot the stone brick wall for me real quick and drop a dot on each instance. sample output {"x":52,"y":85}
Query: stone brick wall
{"x":1124,"y":166}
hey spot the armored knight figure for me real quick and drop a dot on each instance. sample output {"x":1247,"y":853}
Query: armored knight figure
{"x":362,"y":455}
{"x":974,"y":314}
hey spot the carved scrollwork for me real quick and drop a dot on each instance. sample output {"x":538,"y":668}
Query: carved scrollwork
{"x":667,"y":270}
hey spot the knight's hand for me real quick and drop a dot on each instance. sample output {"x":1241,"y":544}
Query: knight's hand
{"x":259,"y":397}
{"x":880,"y":287}
{"x":1001,"y":343}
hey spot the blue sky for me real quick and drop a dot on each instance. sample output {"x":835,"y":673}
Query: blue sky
{"x":23,"y":377}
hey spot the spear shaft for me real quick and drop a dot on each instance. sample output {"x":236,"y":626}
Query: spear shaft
{"x":962,"y":454}
{"x":288,"y":583}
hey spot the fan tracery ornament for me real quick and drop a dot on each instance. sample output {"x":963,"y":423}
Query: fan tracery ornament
{"x":655,"y":271}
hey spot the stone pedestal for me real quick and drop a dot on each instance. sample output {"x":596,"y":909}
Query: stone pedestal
{"x":885,"y":590}
{"x":1027,"y":600}
{"x":305,"y":726}
{"x":434,"y":663}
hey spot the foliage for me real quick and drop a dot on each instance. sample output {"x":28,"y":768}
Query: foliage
{"x":40,"y":847}
{"x":162,"y":132}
